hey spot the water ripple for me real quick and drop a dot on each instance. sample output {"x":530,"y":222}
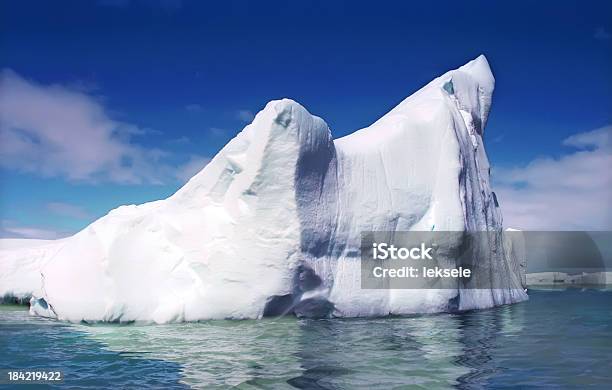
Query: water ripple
{"x":557,"y":339}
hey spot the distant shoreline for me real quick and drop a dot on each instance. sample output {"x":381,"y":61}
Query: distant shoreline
{"x":562,"y":279}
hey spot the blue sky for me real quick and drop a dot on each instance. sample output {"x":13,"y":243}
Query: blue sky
{"x":165,"y":84}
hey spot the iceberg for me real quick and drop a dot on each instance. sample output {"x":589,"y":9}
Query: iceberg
{"x":272,"y":225}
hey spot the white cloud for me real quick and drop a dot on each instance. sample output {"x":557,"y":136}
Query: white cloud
{"x":598,"y":138}
{"x":245,"y":115}
{"x":57,"y":131}
{"x":194,"y":165}
{"x":67,"y":210}
{"x":570,"y":192}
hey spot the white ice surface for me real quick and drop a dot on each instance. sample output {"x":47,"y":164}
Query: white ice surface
{"x":21,"y":261}
{"x":281,"y":198}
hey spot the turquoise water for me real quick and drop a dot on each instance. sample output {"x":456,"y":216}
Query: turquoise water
{"x":557,"y":339}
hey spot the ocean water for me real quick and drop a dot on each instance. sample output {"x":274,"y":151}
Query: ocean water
{"x":559,"y":338}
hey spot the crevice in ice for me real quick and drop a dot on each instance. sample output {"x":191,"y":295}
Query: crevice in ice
{"x":495,"y":199}
{"x":448,"y":87}
{"x":300,"y":303}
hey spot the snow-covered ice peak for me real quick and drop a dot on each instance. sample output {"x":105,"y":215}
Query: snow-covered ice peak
{"x":272,"y":224}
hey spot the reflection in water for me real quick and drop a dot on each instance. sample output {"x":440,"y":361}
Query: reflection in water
{"x":557,"y":339}
{"x":480,"y":333}
{"x":433,"y":351}
{"x":478,"y":337}
{"x":214,"y":352}
{"x":387,"y":353}
{"x":31,"y":343}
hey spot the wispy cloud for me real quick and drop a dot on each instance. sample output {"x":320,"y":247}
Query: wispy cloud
{"x":180,"y":140}
{"x":570,"y":192}
{"x":10,"y":229}
{"x":218,"y":132}
{"x":194,"y":107}
{"x":68,"y":210}
{"x":57,"y":131}
{"x":193,"y":166}
{"x":245,"y":115}
{"x":601,"y":34}
{"x":498,"y":139}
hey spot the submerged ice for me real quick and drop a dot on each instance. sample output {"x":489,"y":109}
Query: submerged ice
{"x":272,"y":224}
